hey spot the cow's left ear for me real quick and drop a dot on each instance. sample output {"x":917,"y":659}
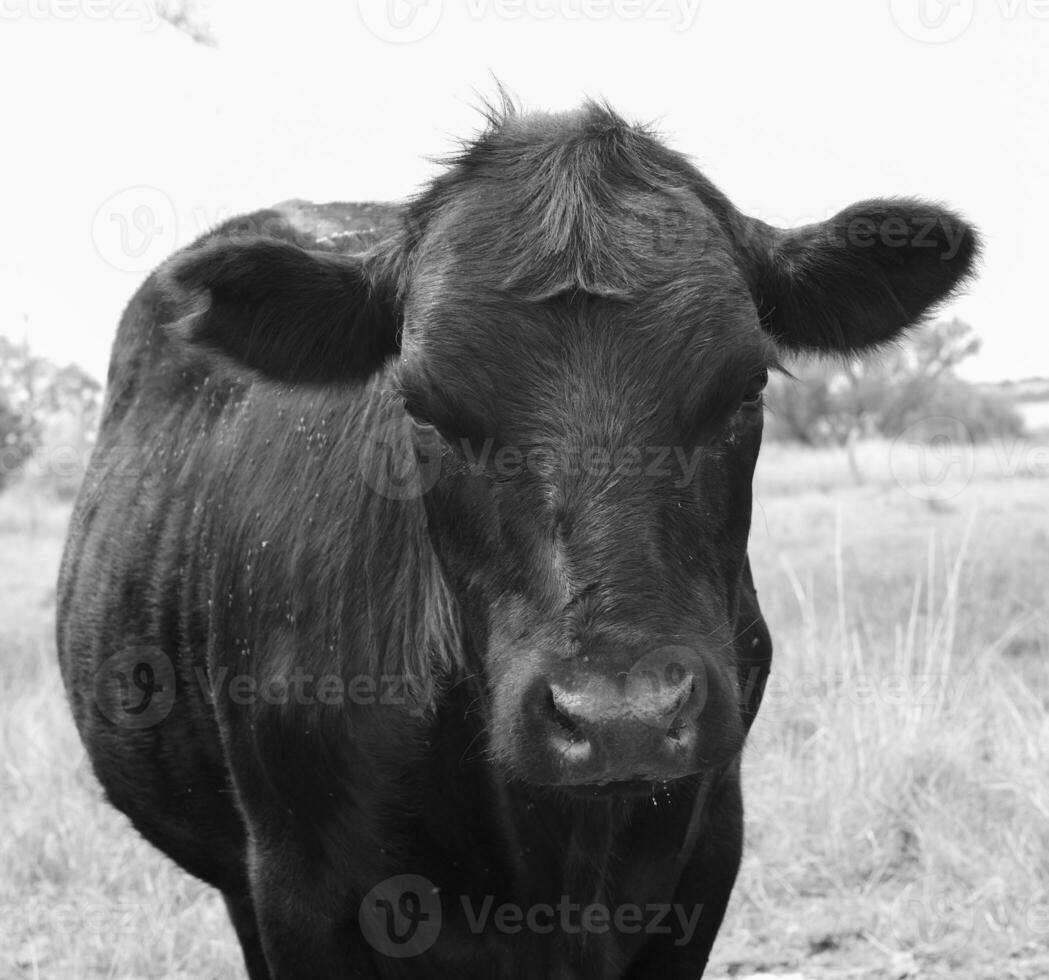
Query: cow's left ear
{"x":286,"y":312}
{"x":858,"y":279}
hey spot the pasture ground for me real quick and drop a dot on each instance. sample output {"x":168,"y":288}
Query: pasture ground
{"x":896,"y":779}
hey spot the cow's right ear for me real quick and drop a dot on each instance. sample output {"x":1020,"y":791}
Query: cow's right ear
{"x":290,"y":314}
{"x":857,"y":280}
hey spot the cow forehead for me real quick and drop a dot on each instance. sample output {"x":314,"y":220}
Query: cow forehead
{"x":608,"y":242}
{"x":638,"y":274}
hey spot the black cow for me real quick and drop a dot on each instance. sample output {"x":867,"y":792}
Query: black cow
{"x":407,"y":599}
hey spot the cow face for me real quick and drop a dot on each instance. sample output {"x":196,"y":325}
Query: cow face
{"x":581,"y":327}
{"x":597,"y":440}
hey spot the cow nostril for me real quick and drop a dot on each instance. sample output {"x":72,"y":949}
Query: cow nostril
{"x":569,"y":729}
{"x":676,"y":700}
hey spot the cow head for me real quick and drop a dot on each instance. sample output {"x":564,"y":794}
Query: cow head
{"x":577,"y":327}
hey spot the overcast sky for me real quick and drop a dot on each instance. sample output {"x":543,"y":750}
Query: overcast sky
{"x":123,"y":138}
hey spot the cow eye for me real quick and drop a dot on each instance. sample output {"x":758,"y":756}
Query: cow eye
{"x":428,"y":431}
{"x":755,"y":387}
{"x":416,"y":415}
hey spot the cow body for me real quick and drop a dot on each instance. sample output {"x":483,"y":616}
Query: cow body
{"x":315,"y":644}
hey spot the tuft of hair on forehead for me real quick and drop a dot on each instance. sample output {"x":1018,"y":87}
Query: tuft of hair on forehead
{"x":565,"y":203}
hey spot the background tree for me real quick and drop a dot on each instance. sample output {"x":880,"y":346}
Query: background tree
{"x":189,"y":17}
{"x":836,"y":402}
{"x":18,"y":439}
{"x":45,"y":406}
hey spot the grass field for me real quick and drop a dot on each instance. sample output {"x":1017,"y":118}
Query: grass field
{"x":896,"y":779}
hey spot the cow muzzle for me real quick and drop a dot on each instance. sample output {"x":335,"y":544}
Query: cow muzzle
{"x":635,"y":726}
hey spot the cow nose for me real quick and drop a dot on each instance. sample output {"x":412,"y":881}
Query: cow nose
{"x":606,"y":729}
{"x":594,"y":705}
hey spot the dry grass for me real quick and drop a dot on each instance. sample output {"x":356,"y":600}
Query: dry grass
{"x":82,"y":897}
{"x":898,"y":805}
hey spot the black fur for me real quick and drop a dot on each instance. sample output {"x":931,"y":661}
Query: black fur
{"x":859,"y":279}
{"x":275,"y":307}
{"x":355,"y":480}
